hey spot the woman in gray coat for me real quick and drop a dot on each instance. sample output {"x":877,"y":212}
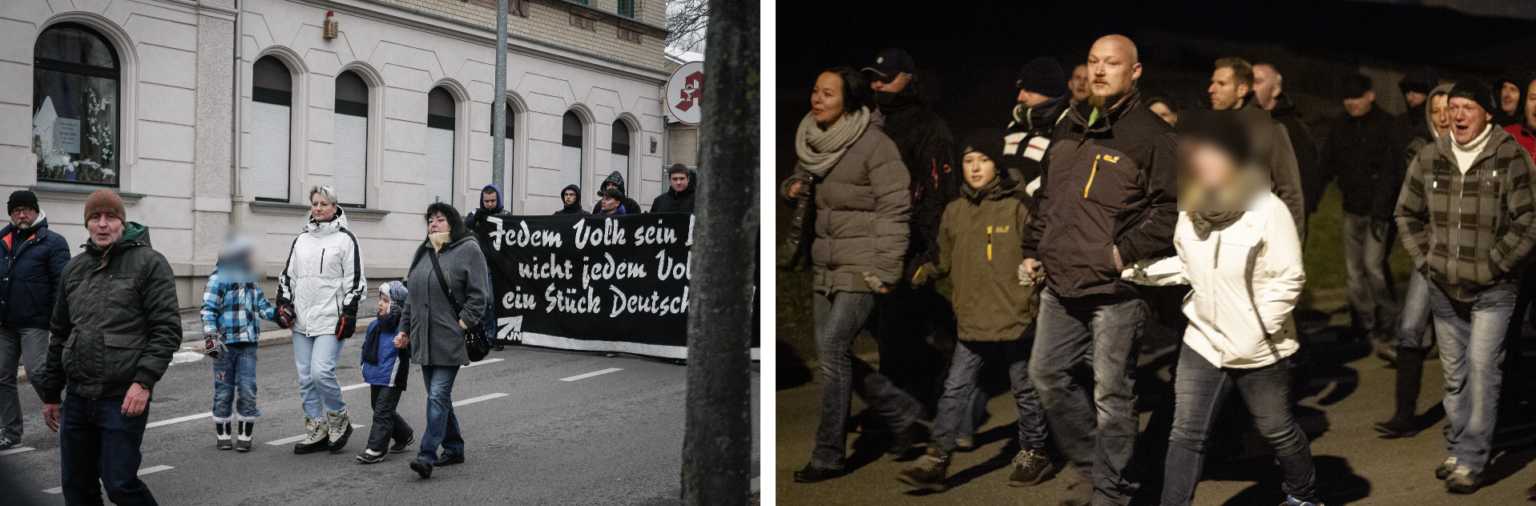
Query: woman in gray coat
{"x":862,"y":206}
{"x":437,"y":331}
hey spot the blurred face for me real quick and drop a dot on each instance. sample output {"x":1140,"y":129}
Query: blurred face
{"x":1164,"y":112}
{"x":1225,"y":91}
{"x":23,"y":217}
{"x":827,"y":100}
{"x":610,"y":204}
{"x":569,"y":196}
{"x":1212,"y":168}
{"x":1511,"y":97}
{"x":1360,"y":105}
{"x":104,"y":228}
{"x":1266,"y":85}
{"x":892,"y":86}
{"x":1031,"y":99}
{"x":1530,"y":106}
{"x":679,"y":181}
{"x":1440,"y":112}
{"x":1079,"y":83}
{"x":1467,"y":119}
{"x":320,"y":208}
{"x":1112,"y":68}
{"x":979,"y":170}
{"x":488,"y":200}
{"x":437,"y":223}
{"x":1414,"y":98}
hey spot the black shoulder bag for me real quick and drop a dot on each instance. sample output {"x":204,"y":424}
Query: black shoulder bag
{"x":475,"y":341}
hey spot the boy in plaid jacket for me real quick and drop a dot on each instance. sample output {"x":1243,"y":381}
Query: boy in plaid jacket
{"x":231,"y":304}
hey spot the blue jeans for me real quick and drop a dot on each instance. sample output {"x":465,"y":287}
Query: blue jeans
{"x":1095,"y":425}
{"x":1471,"y":352}
{"x":838,"y":321}
{"x":442,"y":425}
{"x":233,"y":371}
{"x":1415,"y":317}
{"x":955,"y":407}
{"x":316,"y":359}
{"x":96,"y":442}
{"x":1199,"y":391}
{"x":1372,"y":301}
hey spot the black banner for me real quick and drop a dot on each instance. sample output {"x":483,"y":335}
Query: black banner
{"x":582,"y":282}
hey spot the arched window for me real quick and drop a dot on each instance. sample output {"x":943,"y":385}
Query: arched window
{"x":570,"y":152}
{"x":507,"y":172}
{"x":271,"y":119}
{"x":75,"y":106}
{"x":440,"y":123}
{"x":350,"y":150}
{"x":621,"y":148}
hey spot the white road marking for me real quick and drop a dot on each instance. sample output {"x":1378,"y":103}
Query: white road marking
{"x":477,"y":399}
{"x":187,"y":418}
{"x":301,"y":437}
{"x":142,"y":472}
{"x":590,"y":374}
{"x":483,"y":362}
{"x":19,"y":449}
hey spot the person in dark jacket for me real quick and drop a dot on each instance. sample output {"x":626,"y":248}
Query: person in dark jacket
{"x":1107,"y":199}
{"x":1510,"y":93}
{"x":32,"y":259}
{"x":115,"y":326}
{"x":435,"y":333}
{"x":679,"y":195}
{"x":612,"y":202}
{"x":1232,"y":89}
{"x":1041,"y":103}
{"x":1269,"y":90}
{"x":1164,"y":107}
{"x":615,"y":181}
{"x":1525,"y":132}
{"x":385,"y":371}
{"x":570,"y":197}
{"x":490,"y":205}
{"x":1416,"y":85}
{"x":1361,"y":150}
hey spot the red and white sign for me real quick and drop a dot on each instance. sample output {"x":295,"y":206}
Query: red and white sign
{"x":685,"y":90}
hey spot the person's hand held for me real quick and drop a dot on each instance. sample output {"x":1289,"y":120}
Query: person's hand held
{"x":136,"y":400}
{"x":1119,"y":266}
{"x":402,"y":340}
{"x":51,"y":416}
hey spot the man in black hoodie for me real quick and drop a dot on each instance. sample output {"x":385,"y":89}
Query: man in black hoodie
{"x":1108,"y":198}
{"x":571,"y":198}
{"x":1269,"y":91}
{"x":679,"y":195}
{"x":1043,"y":99}
{"x":1510,"y":94}
{"x":616,"y":180}
{"x":1362,"y":150}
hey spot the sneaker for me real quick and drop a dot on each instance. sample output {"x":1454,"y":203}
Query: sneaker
{"x":340,"y":429}
{"x":907,"y":438}
{"x":422,"y":468}
{"x":1445,"y":469}
{"x":368,"y":457}
{"x":813,"y":474}
{"x":1030,"y":467}
{"x":448,"y":460}
{"x":1293,"y":501}
{"x":928,"y":472}
{"x":401,"y":446}
{"x":243,"y":436}
{"x":964,"y":445}
{"x":315,"y":440}
{"x":8,"y":443}
{"x":226,"y":439}
{"x":1462,"y":481}
{"x":1396,"y":428}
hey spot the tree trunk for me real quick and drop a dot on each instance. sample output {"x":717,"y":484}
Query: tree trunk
{"x":717,"y":445}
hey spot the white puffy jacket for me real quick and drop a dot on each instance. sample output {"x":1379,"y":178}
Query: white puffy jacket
{"x":1245,"y":279}
{"x":324,"y":276}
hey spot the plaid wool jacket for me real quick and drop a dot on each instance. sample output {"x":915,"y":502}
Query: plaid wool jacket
{"x":1469,"y":232}
{"x":231,"y":306}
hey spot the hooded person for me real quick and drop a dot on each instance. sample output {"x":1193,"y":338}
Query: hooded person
{"x":616,"y":180}
{"x":491,"y":204}
{"x":1525,"y":131}
{"x":1314,"y":179}
{"x":676,"y":200}
{"x":386,"y":372}
{"x":1509,"y":94}
{"x":570,"y":198}
{"x":1042,"y":101}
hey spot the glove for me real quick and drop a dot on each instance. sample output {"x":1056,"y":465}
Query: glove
{"x":345,"y":325}
{"x":874,"y":282}
{"x":285,"y":316}
{"x":213,"y":346}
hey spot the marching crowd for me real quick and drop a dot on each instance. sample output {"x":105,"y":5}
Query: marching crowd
{"x":1100,"y":208}
{"x":96,"y":331}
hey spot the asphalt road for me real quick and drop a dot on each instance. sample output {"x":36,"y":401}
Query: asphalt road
{"x":611,"y":438}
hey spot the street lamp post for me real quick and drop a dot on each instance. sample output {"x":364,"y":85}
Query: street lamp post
{"x":499,"y":107}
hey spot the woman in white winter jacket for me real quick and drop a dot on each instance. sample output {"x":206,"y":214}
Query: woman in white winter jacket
{"x":1245,"y":269}
{"x":317,"y":295}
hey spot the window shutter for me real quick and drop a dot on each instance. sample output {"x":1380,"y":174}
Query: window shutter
{"x":350,"y":167}
{"x":570,"y":167}
{"x":507,"y":171}
{"x":440,"y":165}
{"x":270,"y":125}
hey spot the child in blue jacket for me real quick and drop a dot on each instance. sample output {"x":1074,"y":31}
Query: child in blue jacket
{"x":386,"y":372}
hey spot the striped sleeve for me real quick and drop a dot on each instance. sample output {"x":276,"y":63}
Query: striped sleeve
{"x":1412,"y":211}
{"x":213,"y":303}
{"x":1515,"y":245}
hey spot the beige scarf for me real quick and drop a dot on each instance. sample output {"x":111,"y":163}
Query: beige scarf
{"x":437,"y":240}
{"x":819,"y":150}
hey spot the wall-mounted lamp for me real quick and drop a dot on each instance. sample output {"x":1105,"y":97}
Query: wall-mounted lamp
{"x":331,"y":26}
{"x":653,"y":144}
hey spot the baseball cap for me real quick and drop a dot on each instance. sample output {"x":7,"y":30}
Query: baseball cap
{"x":891,"y":62}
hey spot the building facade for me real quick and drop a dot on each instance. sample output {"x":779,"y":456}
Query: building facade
{"x":392,"y":109}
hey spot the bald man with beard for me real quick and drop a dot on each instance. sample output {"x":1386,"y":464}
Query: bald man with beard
{"x":1107,"y":199}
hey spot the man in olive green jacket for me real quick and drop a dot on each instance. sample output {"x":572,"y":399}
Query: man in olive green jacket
{"x":115,"y":327}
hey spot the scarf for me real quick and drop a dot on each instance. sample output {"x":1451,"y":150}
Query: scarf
{"x":819,"y":149}
{"x":438,"y":240}
{"x":1206,"y":221}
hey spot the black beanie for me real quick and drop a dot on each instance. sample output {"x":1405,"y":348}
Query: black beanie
{"x":1477,"y":91}
{"x":987,"y":141}
{"x":1042,"y":75}
{"x":1356,"y":85}
{"x":1422,"y":80}
{"x":21,"y":198}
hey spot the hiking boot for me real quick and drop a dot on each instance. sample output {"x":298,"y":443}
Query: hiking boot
{"x":1030,"y":467}
{"x":813,"y":474}
{"x":422,"y":468}
{"x":226,"y":439}
{"x":243,"y":436}
{"x":1462,"y":481}
{"x":1445,"y":469}
{"x":448,"y":460}
{"x":928,"y":472}
{"x":906,"y":438}
{"x":368,"y":457}
{"x":340,"y":428}
{"x":400,"y":446}
{"x":1293,"y":501}
{"x":314,"y":440}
